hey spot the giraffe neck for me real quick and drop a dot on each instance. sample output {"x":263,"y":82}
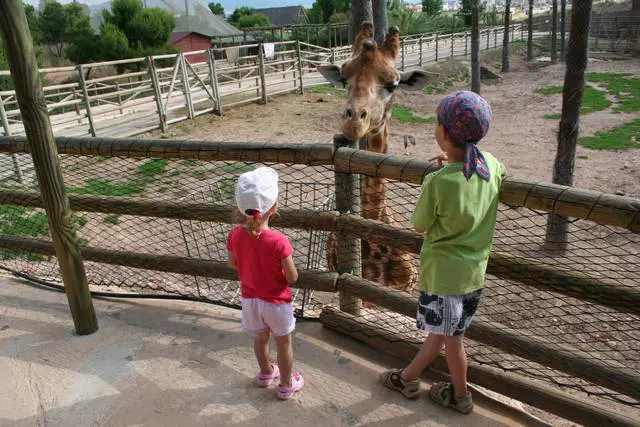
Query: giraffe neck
{"x":374,"y":197}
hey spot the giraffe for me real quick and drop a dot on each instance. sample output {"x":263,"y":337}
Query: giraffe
{"x":371,"y":77}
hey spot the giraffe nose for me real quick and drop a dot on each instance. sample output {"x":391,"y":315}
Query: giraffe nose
{"x":356,"y":114}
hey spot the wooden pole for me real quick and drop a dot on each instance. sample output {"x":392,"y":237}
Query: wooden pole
{"x":157,"y":94}
{"x":119,"y":97}
{"x":530,"y":32}
{"x":261,"y":71}
{"x":402,"y":48}
{"x":187,"y":87}
{"x":421,"y":54}
{"x":475,"y":47}
{"x":437,"y":48}
{"x":24,"y":72}
{"x":505,"y":37}
{"x":300,"y":67}
{"x":554,"y":31}
{"x":215,"y":87}
{"x":349,"y":251}
{"x":7,"y":131}
{"x":571,"y":407}
{"x":85,"y":94}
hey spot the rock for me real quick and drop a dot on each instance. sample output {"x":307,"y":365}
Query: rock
{"x":487,"y":74}
{"x":619,"y":193}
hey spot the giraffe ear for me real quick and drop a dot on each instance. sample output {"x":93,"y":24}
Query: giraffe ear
{"x":412,"y":81}
{"x":331,"y":73}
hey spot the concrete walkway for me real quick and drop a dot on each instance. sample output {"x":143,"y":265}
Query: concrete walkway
{"x":165,"y":363}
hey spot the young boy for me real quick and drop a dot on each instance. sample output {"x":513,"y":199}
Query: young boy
{"x":457,"y":211}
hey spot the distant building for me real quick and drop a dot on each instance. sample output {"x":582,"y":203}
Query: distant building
{"x":188,"y":41}
{"x":414,"y":7}
{"x":285,"y":15}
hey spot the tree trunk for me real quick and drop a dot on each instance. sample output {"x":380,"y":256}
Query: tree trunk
{"x":380,"y":19}
{"x":530,"y":32}
{"x":554,"y":32}
{"x":557,"y":226}
{"x":475,"y":47}
{"x":361,"y":11}
{"x":23,"y":65}
{"x":563,"y":27}
{"x":505,"y":38}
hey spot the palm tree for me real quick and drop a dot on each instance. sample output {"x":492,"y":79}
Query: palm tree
{"x":530,"y":32}
{"x":505,"y":38}
{"x":475,"y":47}
{"x":558,"y":226}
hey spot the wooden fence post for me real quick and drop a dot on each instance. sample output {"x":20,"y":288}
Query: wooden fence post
{"x":452,"y":41}
{"x":214,"y":81}
{"x":85,"y":94}
{"x":436,"y":47}
{"x":7,"y":132}
{"x":420,"y":60}
{"x":495,"y":38}
{"x":263,"y":80}
{"x":119,"y":97}
{"x":349,"y":250}
{"x":466,"y":40}
{"x":24,"y":72}
{"x":332,"y":58}
{"x":157,"y":94}
{"x":402,"y":46}
{"x":300,"y":67}
{"x":488,"y":38}
{"x":187,"y":87}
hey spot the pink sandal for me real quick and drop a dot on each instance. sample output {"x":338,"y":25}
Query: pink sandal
{"x":286,"y":393}
{"x":265,"y":380}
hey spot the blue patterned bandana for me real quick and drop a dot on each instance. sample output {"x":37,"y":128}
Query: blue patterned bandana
{"x":467,"y":116}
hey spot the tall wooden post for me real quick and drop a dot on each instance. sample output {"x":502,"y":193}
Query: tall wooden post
{"x":420,"y":60}
{"x":24,"y":72}
{"x":563,"y":27}
{"x":85,"y":95}
{"x":402,"y":49}
{"x":214,"y":80}
{"x":349,"y":256}
{"x":505,"y":37}
{"x":475,"y":47}
{"x":530,"y":32}
{"x":157,"y":94}
{"x":261,"y":70}
{"x":187,"y":88}
{"x":437,"y":42}
{"x":300,"y":67}
{"x":7,"y":131}
{"x":554,"y":31}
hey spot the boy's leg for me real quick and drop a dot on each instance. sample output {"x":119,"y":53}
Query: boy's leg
{"x":426,"y":355}
{"x":285,"y":359}
{"x":457,"y":363}
{"x":261,"y":349}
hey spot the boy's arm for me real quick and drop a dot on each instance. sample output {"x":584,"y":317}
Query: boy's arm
{"x":290,"y":271}
{"x":231,"y":260}
{"x":424,"y":214}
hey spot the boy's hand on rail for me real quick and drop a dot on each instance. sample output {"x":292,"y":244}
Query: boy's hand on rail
{"x":440,"y":158}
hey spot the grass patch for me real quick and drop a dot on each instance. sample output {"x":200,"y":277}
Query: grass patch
{"x":621,"y":137}
{"x":556,"y":116}
{"x":189,"y":162}
{"x":153,"y":167}
{"x":324,"y":89}
{"x":224,"y":190}
{"x":583,"y":157}
{"x":112,"y":219}
{"x":22,"y":221}
{"x":550,"y":90}
{"x":100,"y":159}
{"x":103,"y":187}
{"x":237,"y":167}
{"x":593,"y":100}
{"x":405,"y":115}
{"x":623,"y":86}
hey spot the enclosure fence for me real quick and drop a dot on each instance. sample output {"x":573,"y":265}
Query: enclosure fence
{"x":153,"y":216}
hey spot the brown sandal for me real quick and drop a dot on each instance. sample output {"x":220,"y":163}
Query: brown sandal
{"x":393,"y":380}
{"x":443,"y":394}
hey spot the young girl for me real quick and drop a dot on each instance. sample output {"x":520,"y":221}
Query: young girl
{"x":457,"y":211}
{"x":265,"y":268}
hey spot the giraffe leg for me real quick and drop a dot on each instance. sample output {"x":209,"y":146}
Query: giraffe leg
{"x":401,"y":272}
{"x":331,"y":252}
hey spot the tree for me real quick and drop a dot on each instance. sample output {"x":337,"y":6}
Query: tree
{"x":238,"y":13}
{"x":113,"y":42}
{"x":554,"y":32}
{"x":79,"y":35}
{"x":216,"y":8}
{"x":505,"y":37}
{"x":465,"y":11}
{"x":361,"y":11}
{"x":322,"y":10}
{"x":121,"y":13}
{"x":34,"y":23}
{"x":338,"y":18}
{"x":577,"y":50}
{"x":432,"y":7}
{"x":380,"y":20}
{"x":530,"y":32}
{"x":53,"y":20}
{"x":253,"y":20}
{"x":475,"y":46}
{"x":150,"y":27}
{"x":563,"y":17}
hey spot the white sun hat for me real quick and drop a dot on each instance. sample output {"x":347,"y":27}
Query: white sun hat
{"x":257,"y":191}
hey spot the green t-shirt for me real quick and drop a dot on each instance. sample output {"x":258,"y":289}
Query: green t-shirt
{"x":458,"y":218}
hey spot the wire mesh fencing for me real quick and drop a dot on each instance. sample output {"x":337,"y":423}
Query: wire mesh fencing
{"x":531,"y":297}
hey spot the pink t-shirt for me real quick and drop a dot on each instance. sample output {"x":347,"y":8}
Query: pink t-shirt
{"x":260,"y":264}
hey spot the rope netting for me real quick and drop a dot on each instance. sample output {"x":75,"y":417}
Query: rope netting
{"x":514,"y":302}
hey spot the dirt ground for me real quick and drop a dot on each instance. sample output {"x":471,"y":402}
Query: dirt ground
{"x":520,"y":136}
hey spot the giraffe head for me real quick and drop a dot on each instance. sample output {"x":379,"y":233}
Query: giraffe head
{"x":370,"y":77}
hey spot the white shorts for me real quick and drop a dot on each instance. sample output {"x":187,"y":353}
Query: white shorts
{"x":258,"y":316}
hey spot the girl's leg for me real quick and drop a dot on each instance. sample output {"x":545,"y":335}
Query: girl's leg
{"x":457,"y":362}
{"x":285,"y":359}
{"x":261,"y":349}
{"x":427,"y":354}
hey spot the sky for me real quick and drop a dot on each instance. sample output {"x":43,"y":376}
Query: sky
{"x":229,"y":5}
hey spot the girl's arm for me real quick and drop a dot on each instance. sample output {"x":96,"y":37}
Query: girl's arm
{"x":290,"y":271}
{"x":231,"y":260}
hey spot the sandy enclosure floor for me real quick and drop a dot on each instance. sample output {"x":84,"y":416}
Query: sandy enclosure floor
{"x":520,"y":136}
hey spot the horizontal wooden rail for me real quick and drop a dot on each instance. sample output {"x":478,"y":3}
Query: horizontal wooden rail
{"x":562,"y":357}
{"x":296,"y":153}
{"x":530,"y":391}
{"x":307,"y":279}
{"x":502,"y":265}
